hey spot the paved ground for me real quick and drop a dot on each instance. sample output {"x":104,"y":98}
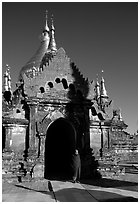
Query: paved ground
{"x":103,"y":190}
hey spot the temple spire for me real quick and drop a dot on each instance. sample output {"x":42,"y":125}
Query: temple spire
{"x":52,"y":44}
{"x":45,"y":34}
{"x":103,"y":89}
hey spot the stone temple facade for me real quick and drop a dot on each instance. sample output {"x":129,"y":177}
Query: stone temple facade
{"x":53,"y":111}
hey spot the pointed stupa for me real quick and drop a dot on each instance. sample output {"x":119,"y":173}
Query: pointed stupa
{"x":52,"y":44}
{"x":103,"y":91}
{"x":37,"y":57}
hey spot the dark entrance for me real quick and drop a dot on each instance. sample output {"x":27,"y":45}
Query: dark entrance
{"x":59,"y":146}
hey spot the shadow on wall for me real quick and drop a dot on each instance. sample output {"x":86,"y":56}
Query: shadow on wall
{"x":80,"y":86}
{"x":75,"y":109}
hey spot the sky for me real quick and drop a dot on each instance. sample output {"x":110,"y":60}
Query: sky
{"x":95,"y":35}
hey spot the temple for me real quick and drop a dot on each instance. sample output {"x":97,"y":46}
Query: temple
{"x":53,"y":111}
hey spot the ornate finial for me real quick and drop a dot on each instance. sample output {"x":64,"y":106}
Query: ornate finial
{"x":46,"y":13}
{"x":7,"y":71}
{"x":102,"y":75}
{"x":97,"y":77}
{"x":102,"y":72}
{"x":46,"y":25}
{"x":8,"y":68}
{"x":52,"y":23}
{"x":52,"y":44}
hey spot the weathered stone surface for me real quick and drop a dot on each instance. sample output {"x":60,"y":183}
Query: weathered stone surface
{"x":38,"y":170}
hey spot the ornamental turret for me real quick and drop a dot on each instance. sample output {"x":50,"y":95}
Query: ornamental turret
{"x":103,"y":89}
{"x":7,"y":79}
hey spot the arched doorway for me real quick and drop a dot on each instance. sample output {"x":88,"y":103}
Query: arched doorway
{"x":59,"y":145}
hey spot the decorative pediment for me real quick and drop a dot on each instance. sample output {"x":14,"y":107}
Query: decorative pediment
{"x":52,"y":77}
{"x":57,"y":78}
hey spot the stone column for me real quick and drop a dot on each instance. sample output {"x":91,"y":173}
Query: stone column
{"x":42,"y":147}
{"x":108,"y":139}
{"x":102,"y":138}
{"x":32,"y":127}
